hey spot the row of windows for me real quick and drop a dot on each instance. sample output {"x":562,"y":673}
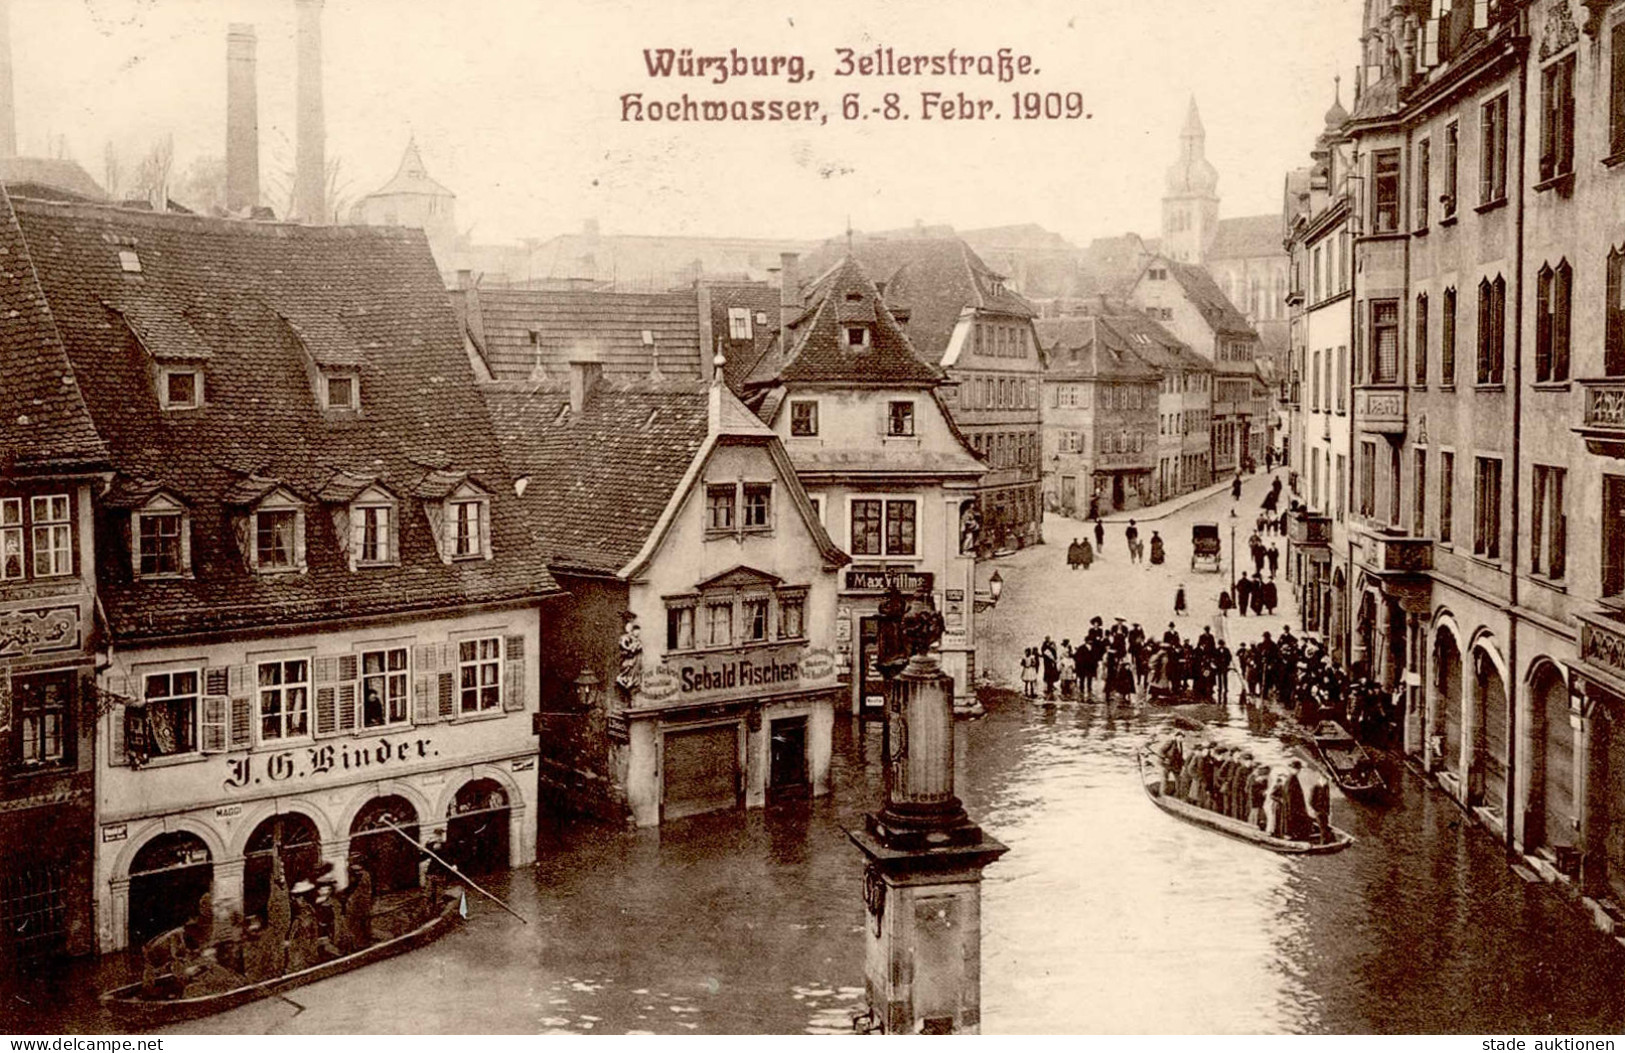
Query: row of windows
{"x":273,"y":534}
{"x":1329,"y":268}
{"x":193,"y":709}
{"x":898,"y":420}
{"x":180,"y":387}
{"x":1002,"y":340}
{"x":1381,"y":358}
{"x":722,"y":619}
{"x":1122,"y":441}
{"x":1386,"y":198}
{"x":1010,"y":449}
{"x":1548,"y":536}
{"x":1321,"y":381}
{"x":1185,"y":382}
{"x":36,"y":537}
{"x":1190,"y":422}
{"x":1235,"y":350}
{"x":732,"y":508}
{"x":999,"y":392}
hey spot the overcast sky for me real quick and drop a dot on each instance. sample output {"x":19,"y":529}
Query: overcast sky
{"x":516,"y":105}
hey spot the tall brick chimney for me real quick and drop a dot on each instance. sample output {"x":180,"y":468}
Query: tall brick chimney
{"x":310,"y":147}
{"x":8,"y":115}
{"x":242,"y":120}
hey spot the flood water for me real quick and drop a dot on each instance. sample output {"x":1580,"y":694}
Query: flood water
{"x":1105,"y":916}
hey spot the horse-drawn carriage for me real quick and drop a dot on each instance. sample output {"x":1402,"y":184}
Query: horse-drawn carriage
{"x":1205,"y":547}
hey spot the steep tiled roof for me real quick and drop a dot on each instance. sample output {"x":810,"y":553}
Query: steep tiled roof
{"x":816,"y":350}
{"x":759,"y":300}
{"x":605,"y":326}
{"x":260,"y":426}
{"x":1204,"y":293}
{"x":1102,"y":352}
{"x":1247,"y":237}
{"x":600,"y":479}
{"x":933,"y":278}
{"x":1150,"y":340}
{"x":43,"y":420}
{"x":53,"y":178}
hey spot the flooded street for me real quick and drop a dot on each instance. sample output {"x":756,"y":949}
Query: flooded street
{"x":1106,"y":915}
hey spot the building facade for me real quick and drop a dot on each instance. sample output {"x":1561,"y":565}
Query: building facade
{"x":320,"y":600}
{"x":693,"y":669}
{"x":1101,"y":421}
{"x":892,"y":477}
{"x":1317,"y":386}
{"x":54,"y":461}
{"x":1185,"y":300}
{"x":1487,"y":262}
{"x":960,"y":315}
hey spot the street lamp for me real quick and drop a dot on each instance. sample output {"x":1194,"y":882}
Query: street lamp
{"x":586,"y":687}
{"x":990,"y":597}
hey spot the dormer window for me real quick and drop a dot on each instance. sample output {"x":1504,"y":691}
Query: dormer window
{"x":181,"y":387}
{"x":274,"y":535}
{"x":341,"y":391}
{"x":739,"y":323}
{"x":160,"y":538}
{"x":459,"y":513}
{"x":465,"y":521}
{"x":857,"y":337}
{"x":374,"y":528}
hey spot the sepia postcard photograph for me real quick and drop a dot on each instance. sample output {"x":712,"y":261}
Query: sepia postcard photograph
{"x":565,"y":517}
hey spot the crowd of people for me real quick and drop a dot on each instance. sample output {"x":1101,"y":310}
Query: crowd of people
{"x":1302,"y":679}
{"x":1128,"y":663}
{"x":1230,"y":781}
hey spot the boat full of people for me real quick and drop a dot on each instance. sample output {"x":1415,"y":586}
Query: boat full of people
{"x":1227,"y":790}
{"x":307,"y":933}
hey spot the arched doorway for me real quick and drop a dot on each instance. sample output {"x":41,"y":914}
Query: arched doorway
{"x":168,"y":877}
{"x":1552,"y":780}
{"x":391,"y":859}
{"x":1447,"y":684}
{"x":295,"y":837}
{"x":477,"y":827}
{"x":1490,"y":707}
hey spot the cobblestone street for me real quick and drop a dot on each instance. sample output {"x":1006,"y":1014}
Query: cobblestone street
{"x":1043,"y":596}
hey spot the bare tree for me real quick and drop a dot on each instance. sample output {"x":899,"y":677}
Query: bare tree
{"x":152,"y":174}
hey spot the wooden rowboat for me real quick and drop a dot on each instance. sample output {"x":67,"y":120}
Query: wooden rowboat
{"x":1151,"y":777}
{"x":130,"y":1006}
{"x":1350,"y":764}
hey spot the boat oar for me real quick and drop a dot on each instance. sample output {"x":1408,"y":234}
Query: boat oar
{"x":448,"y":865}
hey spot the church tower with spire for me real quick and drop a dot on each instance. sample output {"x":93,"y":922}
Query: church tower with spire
{"x":1190,"y":200}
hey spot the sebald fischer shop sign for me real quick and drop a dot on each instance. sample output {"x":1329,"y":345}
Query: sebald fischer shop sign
{"x":764,"y":670}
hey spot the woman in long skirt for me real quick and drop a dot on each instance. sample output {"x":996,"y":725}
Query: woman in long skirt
{"x":1179,"y":600}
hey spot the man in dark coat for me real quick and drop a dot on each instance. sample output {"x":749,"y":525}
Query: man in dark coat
{"x":1100,"y":538}
{"x":1257,"y":593}
{"x":1274,"y":559}
{"x":1297,"y":821}
{"x":1235,"y":488}
{"x":1052,"y":666}
{"x":1221,"y":668}
{"x":1074,"y":554}
{"x":1270,"y":595}
{"x":1244,"y":594}
{"x":1320,"y":805}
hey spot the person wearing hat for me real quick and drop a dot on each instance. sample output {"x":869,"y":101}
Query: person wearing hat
{"x":1297,"y":821}
{"x":1179,"y":600}
{"x":303,"y":936}
{"x":1173,"y":758}
{"x":1257,"y":796}
{"x":356,"y":930}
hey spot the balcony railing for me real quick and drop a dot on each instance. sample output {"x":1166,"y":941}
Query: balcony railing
{"x":1309,"y":529}
{"x":1381,"y":410}
{"x":1395,"y":554}
{"x":1602,"y":422}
